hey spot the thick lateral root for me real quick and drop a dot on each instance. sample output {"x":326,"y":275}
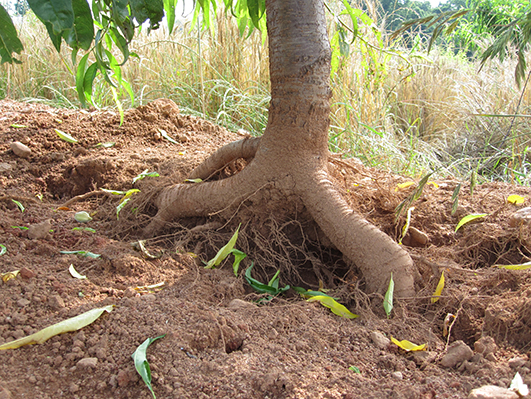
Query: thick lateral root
{"x":245,"y":149}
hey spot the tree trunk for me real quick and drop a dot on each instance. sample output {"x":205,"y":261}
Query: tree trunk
{"x":291,"y":156}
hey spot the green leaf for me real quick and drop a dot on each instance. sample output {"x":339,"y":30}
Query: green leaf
{"x":75,"y":274}
{"x":355,"y":369}
{"x":82,"y":33}
{"x":20,"y":227}
{"x":9,"y":41}
{"x":469,"y":218}
{"x":308,"y":293}
{"x":261,"y":287}
{"x":388,"y":298}
{"x":141,"y":364}
{"x":193,"y":180}
{"x":3,"y":249}
{"x":334,"y":306}
{"x":238,"y":257}
{"x":121,"y":206}
{"x":17,"y":126}
{"x":142,"y":10}
{"x":59,"y":14}
{"x":20,"y":206}
{"x":169,"y":9}
{"x":164,"y":134}
{"x":65,"y":136}
{"x":145,"y":174}
{"x":89,"y":229}
{"x":85,"y":254}
{"x":224,"y":251}
{"x":72,"y":324}
{"x":455,"y":198}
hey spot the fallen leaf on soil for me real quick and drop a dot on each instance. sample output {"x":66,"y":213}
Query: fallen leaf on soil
{"x":146,"y":289}
{"x":401,"y":186}
{"x":308,"y":293}
{"x":82,"y":217}
{"x":334,"y":306}
{"x":139,"y":246}
{"x":68,"y":325}
{"x":438,"y":290}
{"x":105,"y":145}
{"x":145,"y":174}
{"x":238,"y":257}
{"x":86,"y":254}
{"x":469,"y":218}
{"x":75,"y":274}
{"x":17,"y":126}
{"x":193,"y":180}
{"x":355,"y":369}
{"x":20,"y":206}
{"x":65,"y":136}
{"x":9,"y":275}
{"x":406,"y":225}
{"x":3,"y":249}
{"x":141,"y":363}
{"x":407,"y":345}
{"x":515,"y":199}
{"x":224,"y":251}
{"x":164,"y":134}
{"x":271,"y":288}
{"x":517,"y":385}
{"x":448,"y":320}
{"x":20,"y":227}
{"x":90,"y":229}
{"x":64,"y":208}
{"x":522,"y":266}
{"x":121,"y":206}
{"x":388,"y":298}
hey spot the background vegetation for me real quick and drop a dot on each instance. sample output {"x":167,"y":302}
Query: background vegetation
{"x":394,"y":106}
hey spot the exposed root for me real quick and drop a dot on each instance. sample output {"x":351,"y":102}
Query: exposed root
{"x":83,"y":197}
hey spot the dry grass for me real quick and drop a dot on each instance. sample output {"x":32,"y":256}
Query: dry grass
{"x":409,"y":113}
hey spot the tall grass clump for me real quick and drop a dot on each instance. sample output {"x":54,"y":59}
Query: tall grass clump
{"x":393,"y":106}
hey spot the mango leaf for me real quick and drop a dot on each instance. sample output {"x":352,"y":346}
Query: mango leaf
{"x":438,"y":290}
{"x":402,"y":186}
{"x":164,"y":134}
{"x":515,"y":199}
{"x":139,"y":246}
{"x":145,"y":174}
{"x":3,"y":249}
{"x":9,"y":41}
{"x":309,"y":293}
{"x":65,"y":136}
{"x":75,"y":274}
{"x":334,"y":306}
{"x":9,"y":275}
{"x":141,"y":363}
{"x":355,"y":369}
{"x":238,"y":257}
{"x":469,"y":218}
{"x":146,"y":289}
{"x":388,"y":298}
{"x":522,"y":266}
{"x":408,"y":346}
{"x":114,"y":192}
{"x":20,"y":206}
{"x":20,"y":227}
{"x":518,"y":386}
{"x":271,"y":288}
{"x":17,"y":126}
{"x":82,"y":217}
{"x":72,"y":324}
{"x":129,"y":193}
{"x":193,"y":180}
{"x":406,"y":225}
{"x":105,"y":145}
{"x":86,"y":254}
{"x":89,"y":229}
{"x":224,"y":251}
{"x":120,"y":206}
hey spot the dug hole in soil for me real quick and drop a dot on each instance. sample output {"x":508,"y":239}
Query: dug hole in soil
{"x":219,"y":342}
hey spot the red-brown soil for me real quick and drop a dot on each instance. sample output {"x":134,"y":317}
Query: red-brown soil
{"x":219,"y":343}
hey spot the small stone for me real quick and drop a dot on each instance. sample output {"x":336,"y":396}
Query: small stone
{"x":23,"y":302}
{"x":87,"y":363}
{"x":5,"y":167}
{"x":27,"y":273}
{"x":240,"y":304}
{"x":522,"y":216}
{"x":41,"y":230}
{"x":517,"y":362}
{"x":380,"y":340}
{"x":73,"y":387}
{"x":129,"y":292}
{"x":492,"y":392}
{"x":20,"y":149}
{"x":122,"y":378}
{"x":397,"y":375}
{"x":457,"y":353}
{"x":56,"y":302}
{"x":485,"y":345}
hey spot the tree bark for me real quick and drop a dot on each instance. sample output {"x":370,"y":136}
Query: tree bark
{"x":292,"y":154}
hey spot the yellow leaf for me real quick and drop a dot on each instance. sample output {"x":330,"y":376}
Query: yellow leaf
{"x":408,"y":346}
{"x":334,"y":306}
{"x":522,"y":266}
{"x":75,"y":274}
{"x":435,"y":185}
{"x":469,"y":218}
{"x":401,"y":186}
{"x":68,"y":325}
{"x":515,"y":199}
{"x":224,"y":251}
{"x":9,"y":275}
{"x":438,"y":290}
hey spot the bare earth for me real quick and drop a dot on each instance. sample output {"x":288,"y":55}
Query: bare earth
{"x":219,"y":343}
